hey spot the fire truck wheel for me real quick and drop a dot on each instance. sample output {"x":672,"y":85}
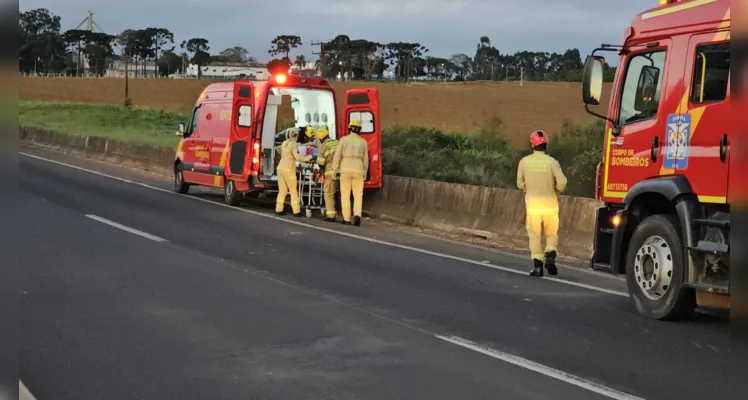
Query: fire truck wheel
{"x":231,"y":196}
{"x":655,"y":270}
{"x":180,"y":186}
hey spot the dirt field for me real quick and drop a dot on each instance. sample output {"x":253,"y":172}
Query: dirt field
{"x":452,"y":107}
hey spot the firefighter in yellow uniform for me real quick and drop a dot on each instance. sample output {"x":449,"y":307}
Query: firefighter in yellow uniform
{"x":352,"y":160}
{"x":541,"y":178}
{"x":326,"y":154}
{"x":287,"y":173}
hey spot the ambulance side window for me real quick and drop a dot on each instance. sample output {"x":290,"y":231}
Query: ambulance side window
{"x":711,"y":73}
{"x":366,"y":118}
{"x":640,"y":97}
{"x":193,"y":122}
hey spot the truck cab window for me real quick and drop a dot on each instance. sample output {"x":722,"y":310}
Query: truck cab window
{"x":640,"y":97}
{"x":711,"y":73}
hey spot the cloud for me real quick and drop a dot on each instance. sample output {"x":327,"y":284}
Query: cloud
{"x":444,"y":26}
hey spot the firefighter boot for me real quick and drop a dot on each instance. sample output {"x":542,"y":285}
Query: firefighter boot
{"x":357,"y":221}
{"x":537,"y":268}
{"x":550,"y":263}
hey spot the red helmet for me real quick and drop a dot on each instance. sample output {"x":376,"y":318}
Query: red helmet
{"x":538,"y":137}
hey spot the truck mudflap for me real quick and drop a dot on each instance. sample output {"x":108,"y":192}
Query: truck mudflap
{"x":607,"y":240}
{"x":706,"y":299}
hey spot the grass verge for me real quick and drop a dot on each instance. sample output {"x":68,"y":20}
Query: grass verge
{"x":484,"y":157}
{"x":113,"y":122}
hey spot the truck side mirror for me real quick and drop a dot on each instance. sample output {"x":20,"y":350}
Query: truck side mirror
{"x":180,"y":130}
{"x":592,"y":81}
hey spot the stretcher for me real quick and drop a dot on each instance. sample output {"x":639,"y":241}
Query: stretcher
{"x":311,"y":182}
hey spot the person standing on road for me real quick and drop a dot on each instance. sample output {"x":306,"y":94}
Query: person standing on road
{"x":287,"y":173}
{"x":541,"y":178}
{"x":352,"y":159}
{"x":326,"y":153}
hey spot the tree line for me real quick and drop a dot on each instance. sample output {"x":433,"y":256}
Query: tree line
{"x":151,"y":51}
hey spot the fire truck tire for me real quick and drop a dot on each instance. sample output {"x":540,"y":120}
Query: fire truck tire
{"x":655,"y":270}
{"x":231,"y":196}
{"x":180,"y":186}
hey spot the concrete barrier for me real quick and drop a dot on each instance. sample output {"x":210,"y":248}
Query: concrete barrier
{"x":487,"y":212}
{"x":145,"y":157}
{"x":480,"y":211}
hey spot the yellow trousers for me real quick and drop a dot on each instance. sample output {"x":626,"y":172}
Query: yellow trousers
{"x":351,"y":183}
{"x":330,"y":187}
{"x":287,"y":184}
{"x":542,"y":224}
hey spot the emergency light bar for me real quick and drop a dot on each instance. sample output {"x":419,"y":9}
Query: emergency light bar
{"x":280,"y":79}
{"x":666,"y":2}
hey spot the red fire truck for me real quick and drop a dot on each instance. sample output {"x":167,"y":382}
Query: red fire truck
{"x":230,"y":140}
{"x":664,"y":174}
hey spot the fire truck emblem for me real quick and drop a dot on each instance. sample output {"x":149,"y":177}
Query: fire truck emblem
{"x":678,"y":141}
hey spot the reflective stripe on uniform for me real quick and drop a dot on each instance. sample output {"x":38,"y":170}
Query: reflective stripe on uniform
{"x":326,"y":152}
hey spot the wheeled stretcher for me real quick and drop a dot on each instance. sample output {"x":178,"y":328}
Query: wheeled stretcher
{"x":311,"y":181}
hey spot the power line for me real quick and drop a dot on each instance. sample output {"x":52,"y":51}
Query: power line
{"x":321,"y":48}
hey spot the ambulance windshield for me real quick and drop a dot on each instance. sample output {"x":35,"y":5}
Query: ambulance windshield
{"x":298,"y":107}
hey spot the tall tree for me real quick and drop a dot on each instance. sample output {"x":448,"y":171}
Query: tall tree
{"x":300,"y":62}
{"x":171,"y":62}
{"x":42,"y":48}
{"x":75,"y":40}
{"x":462,"y":63}
{"x":404,"y":56}
{"x":334,"y":58}
{"x":279,"y":66}
{"x":486,"y":60}
{"x":283,"y":44}
{"x":236,"y":54}
{"x":199,"y":48}
{"x":98,"y":50}
{"x":163,"y":41}
{"x":145,"y":47}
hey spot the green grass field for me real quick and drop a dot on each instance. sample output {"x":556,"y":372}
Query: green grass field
{"x":112,"y":122}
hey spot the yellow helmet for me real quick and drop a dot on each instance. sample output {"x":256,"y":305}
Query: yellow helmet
{"x":322,"y":133}
{"x":309,"y":132}
{"x":355,"y":126}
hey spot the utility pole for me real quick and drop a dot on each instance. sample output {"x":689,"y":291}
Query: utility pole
{"x":321,"y":55}
{"x":521,"y":76}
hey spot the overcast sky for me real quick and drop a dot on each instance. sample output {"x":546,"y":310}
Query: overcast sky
{"x":445,"y":27}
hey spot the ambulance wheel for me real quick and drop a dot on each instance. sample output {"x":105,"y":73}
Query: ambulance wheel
{"x":180,"y":186}
{"x":231,"y":196}
{"x":655,"y":270}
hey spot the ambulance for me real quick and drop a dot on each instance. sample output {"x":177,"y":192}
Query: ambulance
{"x":665,"y":170}
{"x":229,"y":142}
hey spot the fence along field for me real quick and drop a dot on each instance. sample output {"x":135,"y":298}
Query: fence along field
{"x":456,"y":107}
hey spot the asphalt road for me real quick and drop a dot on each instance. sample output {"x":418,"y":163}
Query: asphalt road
{"x":129,"y":292}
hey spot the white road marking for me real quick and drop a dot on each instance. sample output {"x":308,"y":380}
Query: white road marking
{"x":541,"y":369}
{"x":23,"y":392}
{"x":126,"y":228}
{"x":340,"y":233}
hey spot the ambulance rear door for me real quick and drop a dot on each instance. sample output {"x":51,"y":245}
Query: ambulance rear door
{"x":362,"y":104}
{"x":241,"y":140}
